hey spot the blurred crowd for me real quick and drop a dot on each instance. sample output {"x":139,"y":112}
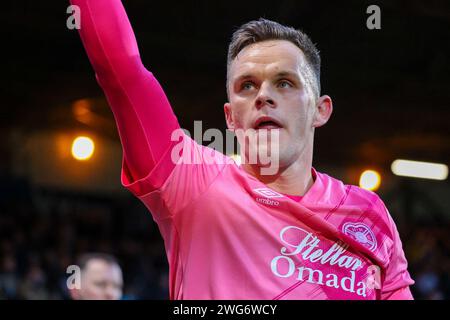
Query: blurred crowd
{"x":39,"y":239}
{"x":42,"y":235}
{"x":427,"y":248}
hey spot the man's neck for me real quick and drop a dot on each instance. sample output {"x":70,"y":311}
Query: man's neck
{"x":295,"y":179}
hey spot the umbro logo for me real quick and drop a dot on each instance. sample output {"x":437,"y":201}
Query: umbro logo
{"x":269,"y":202}
{"x":268,"y":193}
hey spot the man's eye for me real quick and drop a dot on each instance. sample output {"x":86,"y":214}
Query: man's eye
{"x":284,"y":84}
{"x":100,"y":284}
{"x":247,"y":86}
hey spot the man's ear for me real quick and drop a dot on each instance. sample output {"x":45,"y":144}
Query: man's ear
{"x":228,"y":116}
{"x":324,"y":109}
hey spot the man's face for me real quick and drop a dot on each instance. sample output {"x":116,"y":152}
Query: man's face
{"x":270,"y":82}
{"x":100,"y":281}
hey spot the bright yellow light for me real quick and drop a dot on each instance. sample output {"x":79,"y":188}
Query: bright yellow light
{"x":370,"y":180}
{"x":418,"y":169}
{"x":82,"y":148}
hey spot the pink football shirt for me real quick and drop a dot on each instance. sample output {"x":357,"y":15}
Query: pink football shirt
{"x":229,"y":236}
{"x":226,"y":234}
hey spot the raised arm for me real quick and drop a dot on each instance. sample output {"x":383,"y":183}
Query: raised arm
{"x":143,"y":115}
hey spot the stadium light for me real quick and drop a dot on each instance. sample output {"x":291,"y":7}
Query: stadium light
{"x":418,"y":169}
{"x":370,"y":180}
{"x":82,"y":148}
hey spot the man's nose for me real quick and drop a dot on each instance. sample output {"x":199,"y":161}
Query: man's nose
{"x":264,"y":98}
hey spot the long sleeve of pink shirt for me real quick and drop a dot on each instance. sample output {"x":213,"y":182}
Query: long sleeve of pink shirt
{"x":142,"y":112}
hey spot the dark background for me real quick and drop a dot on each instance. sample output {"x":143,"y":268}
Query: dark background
{"x":390,"y":89}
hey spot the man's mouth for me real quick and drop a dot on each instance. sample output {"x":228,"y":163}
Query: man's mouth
{"x":267,"y":123}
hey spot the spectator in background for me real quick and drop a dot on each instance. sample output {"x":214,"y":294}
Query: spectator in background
{"x":8,"y":277}
{"x":101,"y":278}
